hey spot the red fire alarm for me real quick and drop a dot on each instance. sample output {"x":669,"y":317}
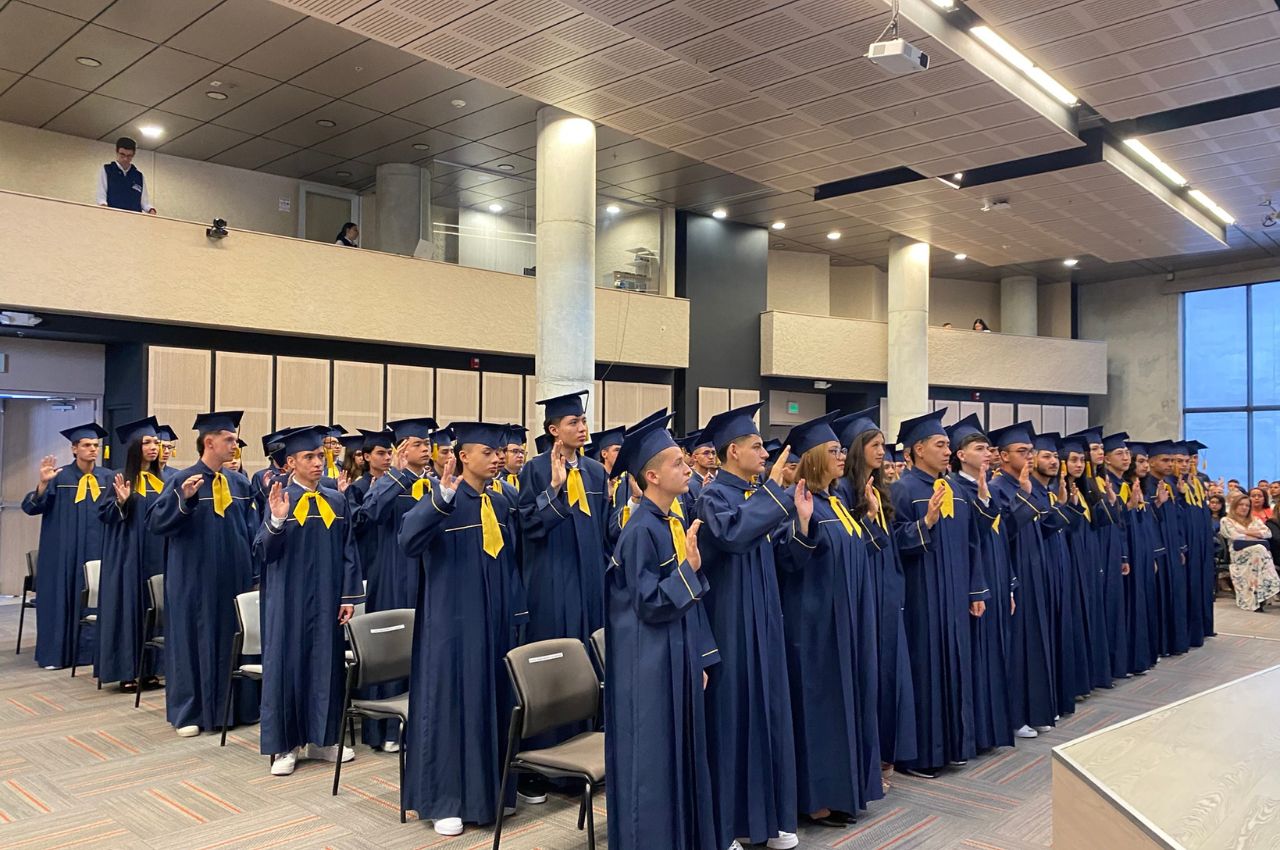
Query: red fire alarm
{"x":475,"y":362}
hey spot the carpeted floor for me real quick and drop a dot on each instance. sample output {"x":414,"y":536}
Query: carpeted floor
{"x":82,"y":768}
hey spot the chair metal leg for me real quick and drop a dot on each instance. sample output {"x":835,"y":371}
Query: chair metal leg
{"x":513,"y":740}
{"x":337,"y":765}
{"x":137,"y":690}
{"x":582,"y":810}
{"x":591,"y":821}
{"x":22,"y":618}
{"x":400,"y":742}
{"x":237,"y":643}
{"x":75,"y":649}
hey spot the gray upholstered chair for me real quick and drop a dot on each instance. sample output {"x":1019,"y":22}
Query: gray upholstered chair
{"x":88,"y":610}
{"x":28,"y":588}
{"x":152,"y":637}
{"x":247,"y":641}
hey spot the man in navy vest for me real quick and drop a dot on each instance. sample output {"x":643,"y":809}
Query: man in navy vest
{"x":120,"y":185}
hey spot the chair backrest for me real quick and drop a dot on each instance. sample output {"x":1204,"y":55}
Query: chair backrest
{"x":155,"y":584}
{"x":250,"y":617}
{"x":555,"y":684}
{"x":597,"y":646}
{"x":92,"y":572}
{"x":33,"y":559}
{"x":382,"y":643}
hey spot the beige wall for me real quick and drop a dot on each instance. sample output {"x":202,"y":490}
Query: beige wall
{"x":57,"y":368}
{"x":1053,"y":302}
{"x":40,"y":162}
{"x":859,"y":292}
{"x":248,"y":273}
{"x":961,"y":301}
{"x":799,"y":346}
{"x":615,"y":234}
{"x":799,"y":282}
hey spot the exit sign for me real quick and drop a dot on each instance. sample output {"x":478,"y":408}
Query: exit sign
{"x":793,"y":407}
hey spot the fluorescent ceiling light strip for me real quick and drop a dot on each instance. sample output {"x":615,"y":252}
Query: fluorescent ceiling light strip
{"x":1155,"y":162}
{"x":1041,"y":78}
{"x":1014,"y":57}
{"x":945,"y":4}
{"x":1216,"y":211}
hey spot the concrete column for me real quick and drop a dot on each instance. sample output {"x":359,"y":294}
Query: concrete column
{"x":404,"y":210}
{"x":566,"y":253}
{"x":908,"y":310}
{"x":1019,"y":308}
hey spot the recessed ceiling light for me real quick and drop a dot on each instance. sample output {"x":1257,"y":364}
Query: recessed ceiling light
{"x":651,"y":200}
{"x":778,"y":225}
{"x":506,"y":166}
{"x":962,"y":256}
{"x":325,"y":122}
{"x":151,"y":131}
{"x":833,"y":235}
{"x":458,"y":103}
{"x":719,"y":212}
{"x":216,"y":95}
{"x":958,"y":176}
{"x":343,"y":173}
{"x":1069,"y":262}
{"x":495,"y":208}
{"x":419,"y":146}
{"x":613,"y":209}
{"x":88,"y":62}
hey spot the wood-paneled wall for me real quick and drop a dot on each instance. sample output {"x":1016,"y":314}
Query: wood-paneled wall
{"x":178,"y":388}
{"x":245,"y":382}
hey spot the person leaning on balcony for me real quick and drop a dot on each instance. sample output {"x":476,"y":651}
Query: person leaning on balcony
{"x":121,"y":185}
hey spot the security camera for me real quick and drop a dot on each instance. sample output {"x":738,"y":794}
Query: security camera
{"x":218,"y":231}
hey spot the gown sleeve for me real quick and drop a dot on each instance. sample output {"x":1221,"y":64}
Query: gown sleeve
{"x":540,"y":509}
{"x":423,"y":522}
{"x":912,"y":535}
{"x":738,"y":528}
{"x":657,"y":599}
{"x":170,"y":513}
{"x":35,"y":503}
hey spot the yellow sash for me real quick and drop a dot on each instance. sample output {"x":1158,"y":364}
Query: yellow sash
{"x":514,"y":480}
{"x":948,"y":497}
{"x":1125,"y":492}
{"x":846,"y":519}
{"x":422,"y":485}
{"x":221,"y":494}
{"x":676,"y":510}
{"x":148,"y":483}
{"x":302,"y":509}
{"x":495,"y":485}
{"x":678,"y":539}
{"x":493,"y":542}
{"x":87,"y":484}
{"x":577,"y":491}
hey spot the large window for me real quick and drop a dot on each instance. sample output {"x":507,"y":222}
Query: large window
{"x":1231,"y":379}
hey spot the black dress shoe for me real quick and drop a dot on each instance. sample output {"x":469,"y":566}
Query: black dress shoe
{"x":832,"y":820}
{"x":921,"y":772}
{"x":845,"y":816}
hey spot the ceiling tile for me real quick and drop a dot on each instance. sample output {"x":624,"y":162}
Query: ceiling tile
{"x":115,"y":50}
{"x":253,"y":153}
{"x":239,"y":86}
{"x":7,"y":78}
{"x":33,"y":102}
{"x":94,"y":115}
{"x":151,"y":20}
{"x":157,"y":76}
{"x":304,"y":131}
{"x":514,"y":140}
{"x":28,"y":35}
{"x":302,"y":46}
{"x":438,"y":109}
{"x":405,"y":87}
{"x":300,"y":163}
{"x":376,"y":134}
{"x":474,"y":153}
{"x":338,"y":76}
{"x":438,"y":143}
{"x":358,"y":174}
{"x":277,"y":106}
{"x":204,"y":142}
{"x":492,"y":119}
{"x":233,"y":28}
{"x":85,"y":10}
{"x":173,"y":126}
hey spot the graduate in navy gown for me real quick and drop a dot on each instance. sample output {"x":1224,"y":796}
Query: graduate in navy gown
{"x":658,"y":648}
{"x":1171,"y":575}
{"x":209,"y":520}
{"x":310,"y":587}
{"x":1208,"y":578}
{"x":66,"y":500}
{"x":945,"y":587}
{"x":260,"y":482}
{"x":468,"y":607}
{"x":1135,"y":655}
{"x":393,"y":575}
{"x":749,"y":728}
{"x":168,"y":445}
{"x":829,"y":619}
{"x":1197,"y":532}
{"x":375,"y":447}
{"x":1088,"y":559}
{"x":513,"y":456}
{"x":866,"y":458}
{"x":1033,"y":702}
{"x":130,"y":553}
{"x":1148,"y":543}
{"x":991,"y":633}
{"x":1107,"y":511}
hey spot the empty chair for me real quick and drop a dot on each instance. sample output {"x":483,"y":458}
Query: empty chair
{"x":28,"y":588}
{"x":348,"y":655}
{"x":152,"y":634}
{"x":88,"y":602}
{"x":382,"y":651}
{"x":597,"y":649}
{"x":247,"y":641}
{"x":555,"y":685}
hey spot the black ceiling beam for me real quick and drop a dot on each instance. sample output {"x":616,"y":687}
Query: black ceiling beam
{"x":867,"y":182}
{"x":1199,"y":113}
{"x":1087,"y":154}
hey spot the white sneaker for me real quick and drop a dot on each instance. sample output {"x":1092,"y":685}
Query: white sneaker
{"x":284,"y":763}
{"x":390,"y":747}
{"x":449,"y":826}
{"x":784,"y":841}
{"x":736,"y":845}
{"x":51,"y":667}
{"x":329,"y":753}
{"x":1025,"y":732}
{"x":1043,"y":728}
{"x":531,"y":799}
{"x":188,"y":731}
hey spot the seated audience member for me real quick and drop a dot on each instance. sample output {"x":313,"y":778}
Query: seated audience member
{"x":981,"y":325}
{"x":1233,"y":486}
{"x":1273,"y":495}
{"x":1217,"y":510}
{"x":1253,"y":572}
{"x":349,"y":235}
{"x":1258,"y":501}
{"x":121,"y":185}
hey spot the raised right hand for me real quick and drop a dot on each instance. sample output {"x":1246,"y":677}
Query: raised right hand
{"x":122,"y":488}
{"x":559,"y":470}
{"x":397,"y":455}
{"x":779,"y":468}
{"x":191,"y":485}
{"x":48,"y":469}
{"x":934,"y":513}
{"x":691,"y":554}
{"x":1024,"y":477}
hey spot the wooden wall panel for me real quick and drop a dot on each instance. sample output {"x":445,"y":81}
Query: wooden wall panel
{"x":999,"y":415}
{"x":302,"y":392}
{"x":532,"y":413}
{"x":501,"y":397}
{"x":457,"y":396}
{"x":622,"y":405}
{"x":711,"y":400}
{"x":654,"y":397}
{"x":410,"y":392}
{"x":178,"y":388}
{"x":357,"y":395}
{"x":1053,"y":417}
{"x":1077,"y":419}
{"x":1030,"y":413}
{"x":243,"y":382}
{"x":595,"y":405}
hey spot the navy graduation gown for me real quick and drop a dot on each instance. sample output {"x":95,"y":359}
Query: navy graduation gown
{"x":1032,"y":686}
{"x":1209,"y":569}
{"x":1109,"y":526}
{"x":366,"y":538}
{"x":563,"y":551}
{"x":392,"y":575}
{"x":1136,"y":587}
{"x":309,"y":571}
{"x":943,"y":577}
{"x":209,"y":562}
{"x":749,"y":727}
{"x":460,"y":699}
{"x":658,"y":642}
{"x":1196,"y":531}
{"x":1171,"y":557}
{"x":70,"y":534}
{"x":1071,"y":675}
{"x":991,"y":633}
{"x":131,"y":554}
{"x":896,"y":701}
{"x":829,"y":618}
{"x":1085,"y":583}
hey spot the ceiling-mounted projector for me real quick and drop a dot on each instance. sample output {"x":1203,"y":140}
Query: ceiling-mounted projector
{"x":898,"y":56}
